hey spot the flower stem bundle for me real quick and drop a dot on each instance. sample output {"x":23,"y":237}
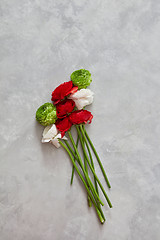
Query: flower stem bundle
{"x":68,"y":109}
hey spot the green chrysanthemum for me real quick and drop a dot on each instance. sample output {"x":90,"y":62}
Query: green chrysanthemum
{"x":81,"y":78}
{"x":46,"y":114}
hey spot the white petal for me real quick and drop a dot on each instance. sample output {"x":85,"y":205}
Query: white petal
{"x":58,"y":136}
{"x":50,"y":131}
{"x":46,"y":129}
{"x":83,"y":93}
{"x":50,"y":134}
{"x":82,"y":98}
{"x":55,"y":142}
{"x":82,"y":102}
{"x":45,"y":140}
{"x":65,"y":138}
{"x":79,"y":104}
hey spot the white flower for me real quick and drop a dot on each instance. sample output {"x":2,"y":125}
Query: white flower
{"x":50,"y":134}
{"x":82,"y":98}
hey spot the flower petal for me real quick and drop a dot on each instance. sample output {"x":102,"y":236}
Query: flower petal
{"x":65,"y":107}
{"x":65,"y":138}
{"x":45,"y":140}
{"x":55,"y":142}
{"x":82,"y":98}
{"x":83,"y":93}
{"x":62,"y":91}
{"x":80,"y":116}
{"x":63,"y":125}
{"x":50,"y":132}
{"x":82,"y":102}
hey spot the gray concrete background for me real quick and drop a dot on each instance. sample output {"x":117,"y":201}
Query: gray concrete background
{"x":41,"y":44}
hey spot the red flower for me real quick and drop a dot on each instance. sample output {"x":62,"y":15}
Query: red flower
{"x":80,"y":116}
{"x":62,"y":91}
{"x":63,"y":125}
{"x":64,"y":107}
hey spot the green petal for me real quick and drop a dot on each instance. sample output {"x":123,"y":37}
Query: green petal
{"x":81,"y":78}
{"x":46,"y":114}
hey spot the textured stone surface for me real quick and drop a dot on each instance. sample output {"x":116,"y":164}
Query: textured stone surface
{"x":41,"y":43}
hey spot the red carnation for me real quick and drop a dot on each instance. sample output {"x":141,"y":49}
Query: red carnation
{"x":62,"y":91}
{"x":63,"y":125}
{"x":80,"y":116}
{"x":64,"y":107}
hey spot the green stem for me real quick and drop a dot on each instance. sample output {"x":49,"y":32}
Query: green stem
{"x":85,"y":174}
{"x":81,"y":177}
{"x":85,"y":160}
{"x":109,"y":203}
{"x":101,"y":216}
{"x":91,"y":159}
{"x":71,"y":150}
{"x":74,"y":160}
{"x":81,"y":165}
{"x":86,"y":168}
{"x":96,"y":154}
{"x":76,"y":157}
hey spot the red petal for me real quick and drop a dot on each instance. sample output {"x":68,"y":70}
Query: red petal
{"x":74,"y":89}
{"x":62,"y":91}
{"x":64,"y":108}
{"x":80,"y":116}
{"x":63,"y":125}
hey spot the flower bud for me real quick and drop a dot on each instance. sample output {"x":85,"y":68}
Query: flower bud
{"x":46,"y":114}
{"x":81,"y":78}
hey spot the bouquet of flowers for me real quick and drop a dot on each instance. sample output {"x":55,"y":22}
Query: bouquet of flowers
{"x":68,"y":111}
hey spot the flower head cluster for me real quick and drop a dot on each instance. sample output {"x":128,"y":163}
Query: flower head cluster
{"x":67,"y":108}
{"x":46,"y":114}
{"x":81,"y":78}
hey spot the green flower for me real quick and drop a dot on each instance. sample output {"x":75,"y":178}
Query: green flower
{"x":46,"y":114}
{"x":81,"y":78}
